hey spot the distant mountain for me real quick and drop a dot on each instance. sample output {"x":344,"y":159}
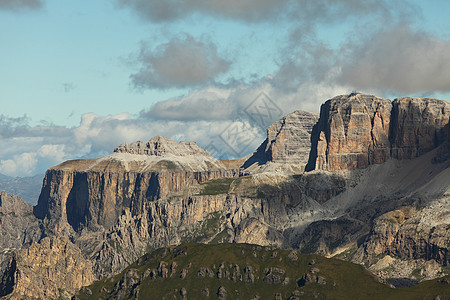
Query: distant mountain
{"x":28,"y":188}
{"x":4,"y":177}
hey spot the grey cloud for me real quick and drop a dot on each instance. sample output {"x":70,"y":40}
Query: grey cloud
{"x":68,"y":87}
{"x":205,"y":104}
{"x":10,"y":126}
{"x":19,"y":127}
{"x":180,"y":63}
{"x":20,"y":4}
{"x":400,"y":60}
{"x":304,"y":11}
{"x":247,"y":10}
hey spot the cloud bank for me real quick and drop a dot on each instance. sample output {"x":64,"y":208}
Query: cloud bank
{"x":180,"y":63}
{"x":170,"y":10}
{"x":16,"y":5}
{"x":399,"y":59}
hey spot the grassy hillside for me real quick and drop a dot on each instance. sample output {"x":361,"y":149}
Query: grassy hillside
{"x":242,"y":271}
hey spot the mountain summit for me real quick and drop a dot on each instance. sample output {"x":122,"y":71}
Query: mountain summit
{"x":160,"y":146}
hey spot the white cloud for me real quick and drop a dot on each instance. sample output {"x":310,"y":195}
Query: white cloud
{"x":19,"y":165}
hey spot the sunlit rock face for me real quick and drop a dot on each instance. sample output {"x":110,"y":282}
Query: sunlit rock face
{"x":355,"y":131}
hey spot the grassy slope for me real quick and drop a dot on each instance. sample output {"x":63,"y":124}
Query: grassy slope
{"x":344,"y":280}
{"x":217,"y":186}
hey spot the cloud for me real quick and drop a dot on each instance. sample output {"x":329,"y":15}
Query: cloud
{"x":34,"y":150}
{"x":182,"y":62}
{"x":299,"y":11}
{"x":68,"y":87}
{"x":16,"y":5}
{"x":399,"y":59}
{"x":22,"y":164}
{"x":170,"y":10}
{"x":210,"y":103}
{"x":12,"y":126}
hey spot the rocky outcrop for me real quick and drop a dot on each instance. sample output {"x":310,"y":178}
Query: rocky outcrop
{"x":160,"y":146}
{"x":418,"y":126}
{"x":411,"y":238}
{"x":288,"y":142}
{"x":355,"y":131}
{"x":18,"y":226}
{"x":146,"y":196}
{"x":50,"y":269}
{"x":324,"y":237}
{"x":95,"y":199}
{"x":316,"y":211}
{"x":93,"y":193}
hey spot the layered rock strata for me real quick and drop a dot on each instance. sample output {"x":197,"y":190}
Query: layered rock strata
{"x":163,"y":193}
{"x":160,"y":146}
{"x":288,"y":143}
{"x":93,"y":193}
{"x":355,"y":131}
{"x":18,"y":226}
{"x":50,"y":269}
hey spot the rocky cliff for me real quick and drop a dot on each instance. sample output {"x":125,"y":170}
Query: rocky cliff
{"x":160,"y":146}
{"x":356,"y":130}
{"x":18,"y":226}
{"x":418,"y":126}
{"x":150,"y":195}
{"x":287,"y":144}
{"x":93,"y":193}
{"x":50,"y":269}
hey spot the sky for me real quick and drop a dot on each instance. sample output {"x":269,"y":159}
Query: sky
{"x":78,"y":78}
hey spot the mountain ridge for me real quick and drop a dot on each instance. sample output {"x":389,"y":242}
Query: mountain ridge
{"x":147,"y":196}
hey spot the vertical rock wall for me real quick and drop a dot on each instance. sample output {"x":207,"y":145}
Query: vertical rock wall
{"x":356,"y":130}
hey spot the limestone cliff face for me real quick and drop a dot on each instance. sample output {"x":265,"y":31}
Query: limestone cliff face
{"x":50,"y":269}
{"x":288,"y":141}
{"x":18,"y":226}
{"x":93,"y":193}
{"x":408,"y":240}
{"x":410,"y":234}
{"x":418,"y":126}
{"x":160,"y":193}
{"x":160,"y":146}
{"x":356,"y":130}
{"x":93,"y":199}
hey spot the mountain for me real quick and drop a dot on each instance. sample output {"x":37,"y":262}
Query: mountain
{"x":287,"y":145}
{"x":28,"y":188}
{"x":356,"y":131}
{"x":376,"y":192}
{"x":51,"y":269}
{"x":243,"y":271}
{"x":5,"y":177}
{"x":18,"y":226}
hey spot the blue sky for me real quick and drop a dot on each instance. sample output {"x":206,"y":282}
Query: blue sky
{"x":79,"y":77}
